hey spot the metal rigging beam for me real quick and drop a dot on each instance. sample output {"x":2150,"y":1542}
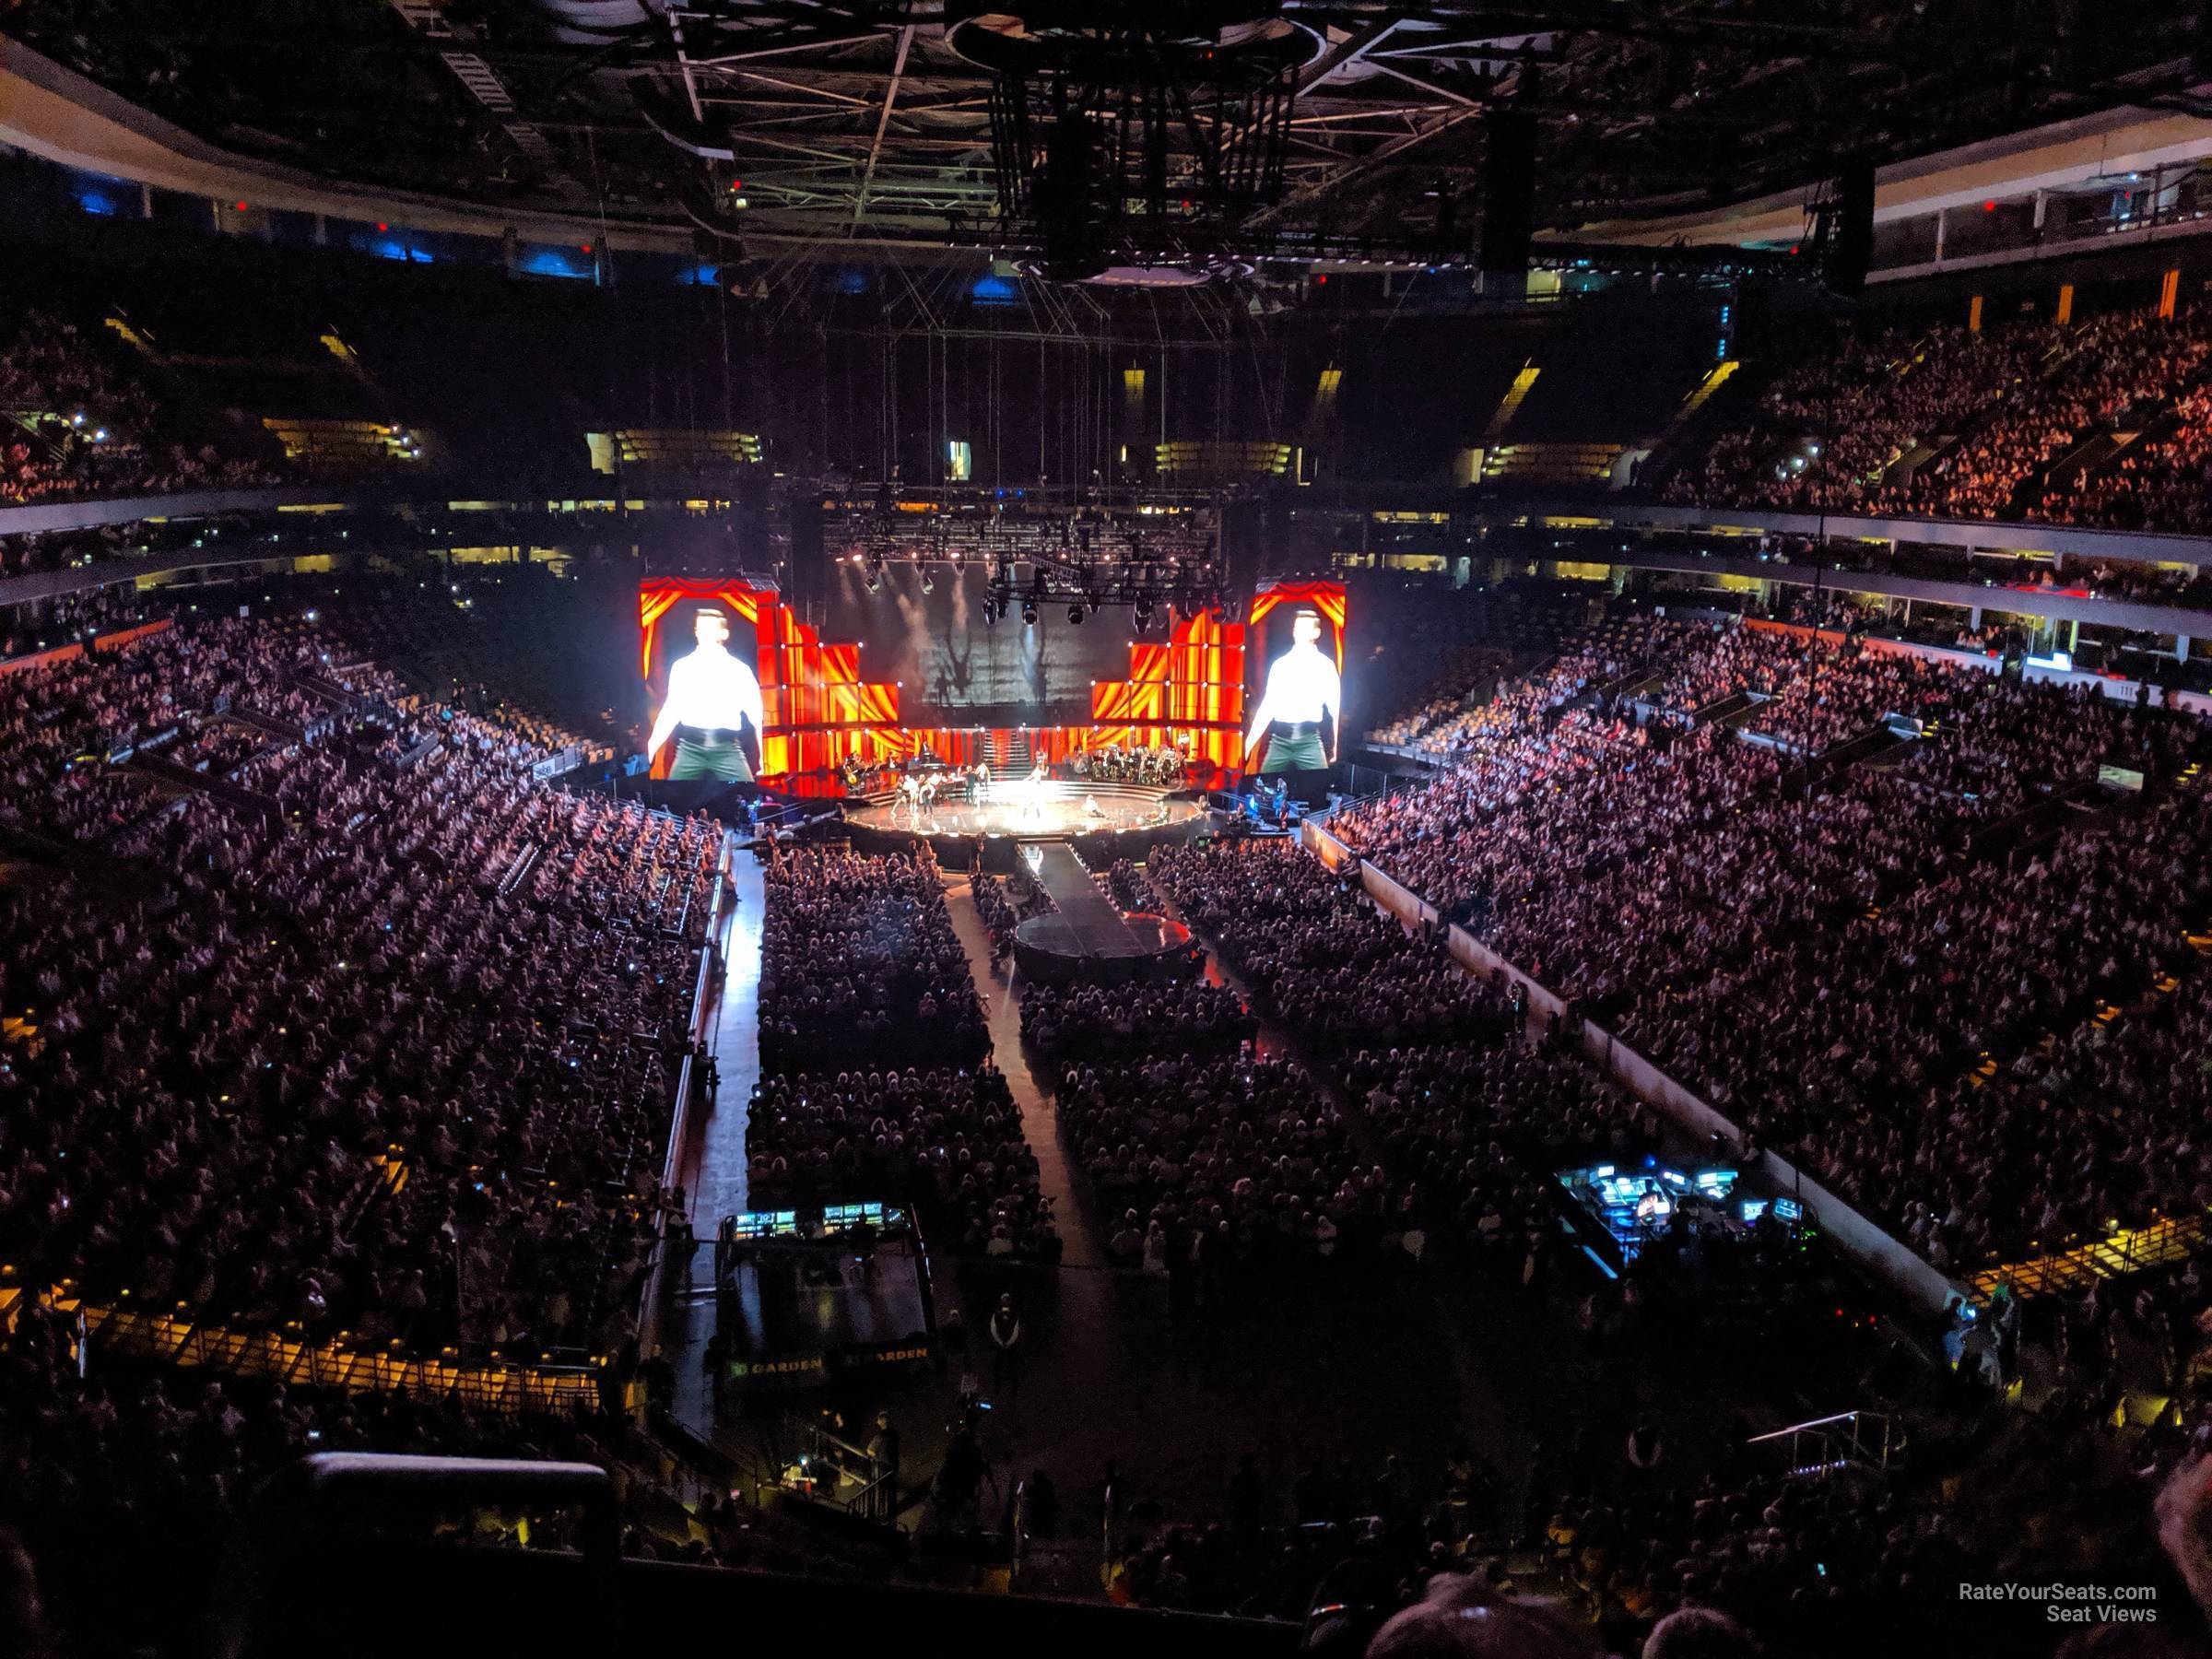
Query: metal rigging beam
{"x":883,"y":121}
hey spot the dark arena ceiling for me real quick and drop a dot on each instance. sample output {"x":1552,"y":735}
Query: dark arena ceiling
{"x":1252,"y":128}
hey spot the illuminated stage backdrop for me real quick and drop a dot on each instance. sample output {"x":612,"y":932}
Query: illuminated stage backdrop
{"x":1269,"y":637}
{"x":819,"y":710}
{"x":1189,"y":690}
{"x":1324,"y":596}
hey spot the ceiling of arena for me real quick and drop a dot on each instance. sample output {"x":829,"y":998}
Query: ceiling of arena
{"x":840,"y":119}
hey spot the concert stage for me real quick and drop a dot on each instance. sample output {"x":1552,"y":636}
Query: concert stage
{"x":1087,"y":938}
{"x":1131,"y":818}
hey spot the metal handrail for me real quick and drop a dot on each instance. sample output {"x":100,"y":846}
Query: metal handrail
{"x":1836,"y":1450}
{"x":868,"y":1503}
{"x":655,"y":1295}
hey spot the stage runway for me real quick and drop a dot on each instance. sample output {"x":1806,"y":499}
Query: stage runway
{"x":1057,"y":812}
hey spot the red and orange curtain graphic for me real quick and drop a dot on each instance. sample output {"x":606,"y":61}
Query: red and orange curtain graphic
{"x":1187,"y":692}
{"x":1324,"y":596}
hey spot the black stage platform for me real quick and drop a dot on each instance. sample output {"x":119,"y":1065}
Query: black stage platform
{"x":1087,"y":938}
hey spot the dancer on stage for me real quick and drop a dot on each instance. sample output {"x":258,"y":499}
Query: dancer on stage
{"x":1031,"y":792}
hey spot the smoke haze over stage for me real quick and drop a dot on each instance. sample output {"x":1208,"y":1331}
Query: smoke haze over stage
{"x":952,"y":670}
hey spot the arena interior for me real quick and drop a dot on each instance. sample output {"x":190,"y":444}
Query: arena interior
{"x":1207,"y":827}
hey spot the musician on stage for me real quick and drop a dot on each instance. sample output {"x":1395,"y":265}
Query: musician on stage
{"x":1303,"y":689}
{"x":712,"y":696}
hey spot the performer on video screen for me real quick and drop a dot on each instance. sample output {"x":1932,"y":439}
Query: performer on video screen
{"x":1303,"y":689}
{"x":710,"y":693}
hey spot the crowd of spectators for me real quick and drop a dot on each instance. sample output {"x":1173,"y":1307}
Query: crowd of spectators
{"x":1004,"y":906}
{"x":1129,"y":888}
{"x":1826,"y":432}
{"x":1320,"y":959}
{"x":77,"y":420}
{"x":511,"y":643}
{"x":2107,"y":369}
{"x":1451,"y":1124}
{"x":1461,"y":685}
{"x":1711,"y":911}
{"x":1980,"y":425}
{"x":60,"y":722}
{"x":1476,"y":1134}
{"x":1097,"y":1021}
{"x":1882,"y":1087}
{"x":2164,"y":481}
{"x":1215,"y":1162}
{"x":1611,"y":651}
{"x":948,"y":1139}
{"x":860,"y":963}
{"x":364,"y":1045}
{"x":860,"y":966}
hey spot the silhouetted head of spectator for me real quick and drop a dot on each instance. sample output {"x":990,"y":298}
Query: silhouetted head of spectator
{"x":22,"y":1618}
{"x":1465,"y":1617}
{"x":1699,"y":1633}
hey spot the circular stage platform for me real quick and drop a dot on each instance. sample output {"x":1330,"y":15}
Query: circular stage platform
{"x":1061,"y":948}
{"x":1055,"y":811}
{"x":1129,"y":822}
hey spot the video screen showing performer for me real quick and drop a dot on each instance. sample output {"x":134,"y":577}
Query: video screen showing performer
{"x":1301,"y":708}
{"x":713,"y":698}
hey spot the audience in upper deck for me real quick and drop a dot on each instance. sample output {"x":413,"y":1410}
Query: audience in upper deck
{"x":77,"y":420}
{"x":1994,"y":424}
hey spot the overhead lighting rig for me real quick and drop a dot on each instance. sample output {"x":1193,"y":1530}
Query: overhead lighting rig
{"x":1137,"y":133}
{"x":1156,"y":560}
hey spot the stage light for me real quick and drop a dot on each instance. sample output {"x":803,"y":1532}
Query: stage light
{"x":1029,"y":613}
{"x":1075,"y":613}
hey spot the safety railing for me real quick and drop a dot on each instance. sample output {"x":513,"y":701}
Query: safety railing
{"x":2125,"y":1249}
{"x":340,"y":1363}
{"x":679,"y":1124}
{"x":827,"y":1464}
{"x":1863,"y":1440}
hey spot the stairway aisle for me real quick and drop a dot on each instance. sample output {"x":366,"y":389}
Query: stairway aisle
{"x":713,"y":1171}
{"x":1040,"y":1121}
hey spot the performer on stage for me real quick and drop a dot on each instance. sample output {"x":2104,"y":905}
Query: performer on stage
{"x":711,"y":695}
{"x":1303,"y":689}
{"x":1032,"y":789}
